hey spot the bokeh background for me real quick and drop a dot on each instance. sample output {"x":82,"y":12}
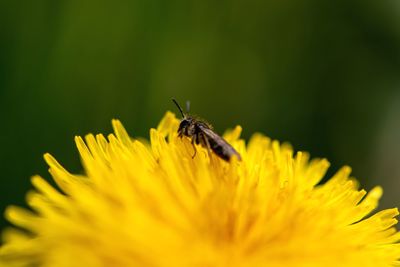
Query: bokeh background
{"x":323,"y":75}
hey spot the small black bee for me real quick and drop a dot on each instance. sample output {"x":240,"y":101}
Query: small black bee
{"x":202,"y":133}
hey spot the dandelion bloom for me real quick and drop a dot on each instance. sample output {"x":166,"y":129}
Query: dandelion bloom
{"x":152,"y":204}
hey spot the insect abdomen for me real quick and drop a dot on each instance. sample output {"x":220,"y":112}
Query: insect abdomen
{"x":223,"y":149}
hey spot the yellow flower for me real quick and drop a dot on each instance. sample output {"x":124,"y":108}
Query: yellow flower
{"x":141,"y":204}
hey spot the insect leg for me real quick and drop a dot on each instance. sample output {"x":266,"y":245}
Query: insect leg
{"x":205,"y":142}
{"x":194,"y":139}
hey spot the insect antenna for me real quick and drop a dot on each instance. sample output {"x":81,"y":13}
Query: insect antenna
{"x":179,"y":107}
{"x":188,"y":106}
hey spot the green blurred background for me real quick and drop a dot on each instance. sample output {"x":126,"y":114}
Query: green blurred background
{"x":323,"y":75}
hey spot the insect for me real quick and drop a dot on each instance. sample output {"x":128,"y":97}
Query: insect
{"x":202,"y":133}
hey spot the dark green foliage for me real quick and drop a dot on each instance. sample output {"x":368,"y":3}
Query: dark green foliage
{"x":323,"y":75}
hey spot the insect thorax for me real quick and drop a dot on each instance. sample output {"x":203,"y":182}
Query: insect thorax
{"x":190,"y":126}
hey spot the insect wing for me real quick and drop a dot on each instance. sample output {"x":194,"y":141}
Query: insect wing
{"x":220,"y":147}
